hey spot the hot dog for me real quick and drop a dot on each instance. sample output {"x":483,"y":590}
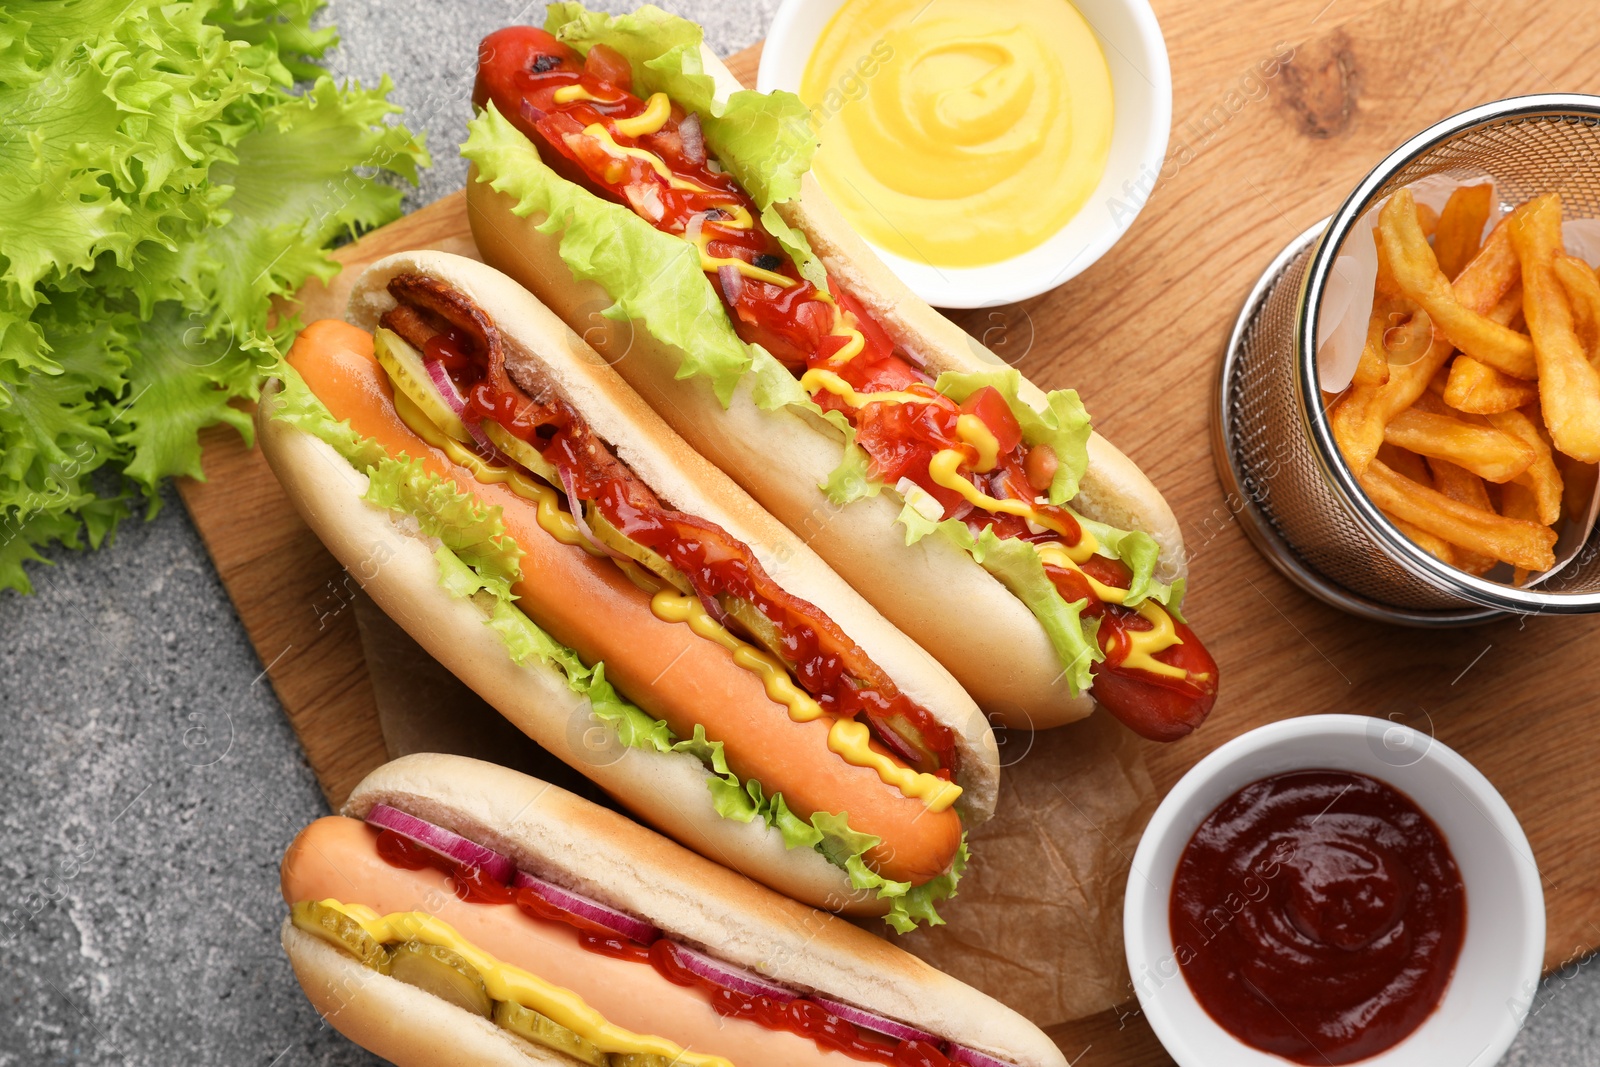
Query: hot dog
{"x":650,"y":624}
{"x":980,"y":514}
{"x":460,"y":912}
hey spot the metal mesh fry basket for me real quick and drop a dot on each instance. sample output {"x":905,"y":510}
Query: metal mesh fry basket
{"x":1286,"y":479}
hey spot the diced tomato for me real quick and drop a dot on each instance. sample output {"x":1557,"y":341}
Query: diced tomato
{"x":1106,"y":571}
{"x":879,"y":345}
{"x":606,"y":64}
{"x":990,"y":406}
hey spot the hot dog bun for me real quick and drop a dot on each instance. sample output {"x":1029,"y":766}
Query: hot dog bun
{"x":563,"y":838}
{"x":400,"y":573}
{"x":1005,"y":661}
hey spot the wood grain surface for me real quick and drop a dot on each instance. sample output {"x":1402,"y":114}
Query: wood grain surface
{"x":1254,"y":159}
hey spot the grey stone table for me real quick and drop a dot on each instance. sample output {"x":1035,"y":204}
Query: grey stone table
{"x":149,"y":782}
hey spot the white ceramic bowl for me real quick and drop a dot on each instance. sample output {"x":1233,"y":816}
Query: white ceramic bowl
{"x":1141,"y":86}
{"x":1497,"y":974}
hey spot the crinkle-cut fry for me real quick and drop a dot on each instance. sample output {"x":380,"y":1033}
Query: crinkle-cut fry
{"x":1461,"y":225}
{"x":1569,"y":386}
{"x":1467,"y":488}
{"x":1542,"y":476}
{"x":1491,"y":453}
{"x":1417,"y":272}
{"x":1437,"y":547}
{"x":1479,"y":389}
{"x":1517,"y":542}
{"x":1359,"y":416}
{"x":1583,"y":290}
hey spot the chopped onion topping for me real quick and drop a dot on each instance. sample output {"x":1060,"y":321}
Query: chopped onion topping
{"x":922,"y":502}
{"x":732,"y":282}
{"x":646,"y":200}
{"x":694,"y":140}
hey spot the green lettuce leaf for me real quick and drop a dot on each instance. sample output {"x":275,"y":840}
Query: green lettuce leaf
{"x":654,"y":277}
{"x":473,"y":532}
{"x":298,"y":406}
{"x":1063,"y":424}
{"x":163,"y":187}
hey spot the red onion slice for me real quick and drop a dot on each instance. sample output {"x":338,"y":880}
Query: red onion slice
{"x":730,"y":977}
{"x":457,"y":403}
{"x":576,"y":507}
{"x":973,"y":1058}
{"x":876,"y":1023}
{"x":732,"y":282}
{"x":588,"y":908}
{"x":451,"y":846}
{"x":445,"y":384}
{"x":693,"y":138}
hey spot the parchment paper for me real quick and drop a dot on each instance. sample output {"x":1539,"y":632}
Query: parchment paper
{"x":1038,"y":921}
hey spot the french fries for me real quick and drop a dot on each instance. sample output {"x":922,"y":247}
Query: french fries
{"x":1520,"y":542}
{"x":1417,"y":351}
{"x":1467,"y":488}
{"x":1541,"y":476}
{"x":1583,"y":289}
{"x":1569,"y":387}
{"x":1479,"y":389}
{"x":1461,"y":223}
{"x":1417,"y":272}
{"x":1473,"y":420}
{"x":1493,"y":454}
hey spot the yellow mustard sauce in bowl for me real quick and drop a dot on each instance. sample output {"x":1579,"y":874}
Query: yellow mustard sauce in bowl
{"x":956,"y":133}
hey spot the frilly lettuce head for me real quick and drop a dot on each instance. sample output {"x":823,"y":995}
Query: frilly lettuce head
{"x":160,"y":186}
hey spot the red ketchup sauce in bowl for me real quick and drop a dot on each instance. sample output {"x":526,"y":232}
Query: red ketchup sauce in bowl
{"x":1318,"y":915}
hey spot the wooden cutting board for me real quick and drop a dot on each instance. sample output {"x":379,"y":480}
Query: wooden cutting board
{"x":1254,"y":159}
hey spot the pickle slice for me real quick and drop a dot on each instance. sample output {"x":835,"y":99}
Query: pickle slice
{"x":340,"y":931}
{"x":639,"y":1059}
{"x":521,"y":451}
{"x":652,"y":561}
{"x":529,"y":1024}
{"x":756,"y":626}
{"x":404,"y":367}
{"x":437,"y":970}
